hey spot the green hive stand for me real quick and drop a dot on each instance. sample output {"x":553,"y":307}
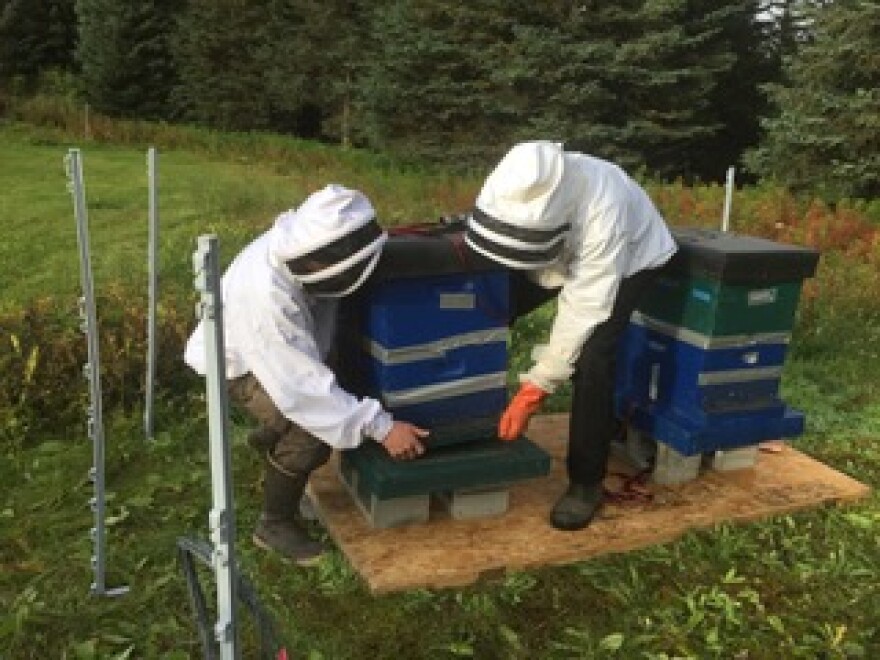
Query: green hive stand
{"x":471,"y":477}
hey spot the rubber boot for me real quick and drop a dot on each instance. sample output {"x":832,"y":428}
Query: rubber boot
{"x":278,"y":528}
{"x":577,"y":506}
{"x":263,"y":439}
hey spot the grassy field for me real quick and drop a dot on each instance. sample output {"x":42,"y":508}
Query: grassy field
{"x":797,"y":586}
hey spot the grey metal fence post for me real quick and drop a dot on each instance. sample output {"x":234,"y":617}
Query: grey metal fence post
{"x":222,"y":517}
{"x":92,"y":371}
{"x":153,"y":287}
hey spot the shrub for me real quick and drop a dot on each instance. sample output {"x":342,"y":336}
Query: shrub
{"x":43,"y":351}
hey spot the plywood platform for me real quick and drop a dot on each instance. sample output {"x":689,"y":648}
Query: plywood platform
{"x":446,"y":552}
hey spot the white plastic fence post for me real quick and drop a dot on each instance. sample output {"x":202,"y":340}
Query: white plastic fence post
{"x":153,"y":287}
{"x":92,"y":371}
{"x":222,"y":517}
{"x":728,"y":199}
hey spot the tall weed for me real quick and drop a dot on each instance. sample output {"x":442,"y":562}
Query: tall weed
{"x":43,"y":351}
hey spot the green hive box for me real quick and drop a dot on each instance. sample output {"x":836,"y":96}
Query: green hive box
{"x":722,"y":284}
{"x":480,"y":464}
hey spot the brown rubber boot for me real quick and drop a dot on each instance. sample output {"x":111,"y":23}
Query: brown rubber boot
{"x":263,"y":439}
{"x":279,"y":528}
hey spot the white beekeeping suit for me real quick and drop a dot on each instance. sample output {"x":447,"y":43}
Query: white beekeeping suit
{"x":279,"y":297}
{"x":573,"y":221}
{"x":581,"y":226}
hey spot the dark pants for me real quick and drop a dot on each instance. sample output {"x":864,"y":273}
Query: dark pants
{"x":292,"y":449}
{"x":593,"y":424}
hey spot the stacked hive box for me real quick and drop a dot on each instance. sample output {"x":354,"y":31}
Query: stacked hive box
{"x":427,"y":336}
{"x":701,"y":361}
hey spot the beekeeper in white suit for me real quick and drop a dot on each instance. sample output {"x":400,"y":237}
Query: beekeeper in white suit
{"x":576,"y":227}
{"x":280,"y":301}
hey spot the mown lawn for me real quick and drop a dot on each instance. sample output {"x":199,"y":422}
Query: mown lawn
{"x":805,"y":585}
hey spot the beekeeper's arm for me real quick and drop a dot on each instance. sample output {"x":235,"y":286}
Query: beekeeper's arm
{"x":585,"y":301}
{"x":285,"y":359}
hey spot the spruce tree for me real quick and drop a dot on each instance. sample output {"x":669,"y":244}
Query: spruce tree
{"x":220,"y":50}
{"x":557,"y":70}
{"x":431,"y":86}
{"x":826,"y":135}
{"x":35,"y":35}
{"x":284,"y":65}
{"x":630,"y":81}
{"x":666,"y":73}
{"x":737,"y":101}
{"x":124,"y":55}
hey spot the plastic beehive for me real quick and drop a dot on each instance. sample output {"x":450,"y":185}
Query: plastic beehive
{"x":428,"y":338}
{"x":700,"y":364}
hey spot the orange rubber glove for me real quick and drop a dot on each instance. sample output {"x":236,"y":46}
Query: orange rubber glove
{"x":516,"y":417}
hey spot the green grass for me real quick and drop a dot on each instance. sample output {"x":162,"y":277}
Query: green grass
{"x":231,"y":191}
{"x":797,"y":586}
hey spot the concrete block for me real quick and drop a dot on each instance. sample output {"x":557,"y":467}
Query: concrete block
{"x":395,"y":511}
{"x":638,"y":449}
{"x":725,"y":460}
{"x":467,"y":504}
{"x":672,"y":467}
{"x":385,"y":513}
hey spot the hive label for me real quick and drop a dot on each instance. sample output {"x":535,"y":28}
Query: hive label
{"x":458,"y":301}
{"x":762,"y":296}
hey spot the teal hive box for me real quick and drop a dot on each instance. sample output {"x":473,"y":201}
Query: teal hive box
{"x":721,"y":284}
{"x":714,"y":308}
{"x":479,"y":464}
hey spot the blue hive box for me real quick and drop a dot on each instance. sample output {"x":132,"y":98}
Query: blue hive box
{"x":700,"y":394}
{"x":448,"y":360}
{"x":689,"y":437}
{"x":428,"y":334}
{"x":674,"y":368}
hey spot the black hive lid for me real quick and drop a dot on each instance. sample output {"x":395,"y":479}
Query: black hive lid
{"x":739,"y":259}
{"x":429,"y":250}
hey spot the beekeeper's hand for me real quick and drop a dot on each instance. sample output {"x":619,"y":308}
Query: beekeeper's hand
{"x":516,"y":417}
{"x":403,"y":441}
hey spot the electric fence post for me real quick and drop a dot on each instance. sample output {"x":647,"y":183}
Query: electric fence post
{"x":222,"y":517}
{"x":728,"y":200}
{"x":153,"y":286}
{"x":92,"y":372}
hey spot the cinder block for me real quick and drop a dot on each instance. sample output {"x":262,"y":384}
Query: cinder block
{"x":636,"y":448}
{"x":385,"y":513}
{"x":725,"y":460}
{"x":672,"y":467}
{"x":395,"y":511}
{"x":475,"y":503}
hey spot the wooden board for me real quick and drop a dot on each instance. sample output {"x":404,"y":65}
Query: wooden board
{"x":446,"y":552}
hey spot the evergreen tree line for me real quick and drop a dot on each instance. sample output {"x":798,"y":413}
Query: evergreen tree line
{"x":673,"y":88}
